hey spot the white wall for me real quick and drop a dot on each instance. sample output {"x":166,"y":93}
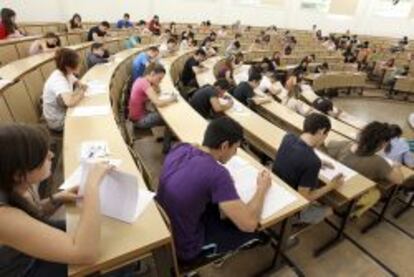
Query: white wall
{"x":288,"y":15}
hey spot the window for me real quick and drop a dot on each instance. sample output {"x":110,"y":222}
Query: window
{"x":393,"y":8}
{"x":316,"y":5}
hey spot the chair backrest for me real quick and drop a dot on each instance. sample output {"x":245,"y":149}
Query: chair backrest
{"x":8,"y":53}
{"x":34,"y":83}
{"x":5,"y":115}
{"x":20,"y":104}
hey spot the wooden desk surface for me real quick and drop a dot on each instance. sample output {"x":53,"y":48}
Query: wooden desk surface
{"x":271,"y":136}
{"x":120,"y":242}
{"x":189,"y":126}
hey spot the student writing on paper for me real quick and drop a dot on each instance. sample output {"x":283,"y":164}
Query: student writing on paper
{"x":363,"y":157}
{"x":168,"y":48}
{"x":290,"y":100}
{"x":30,"y":243}
{"x":191,"y":67}
{"x":97,"y":55}
{"x":75,"y":23}
{"x":49,"y":43}
{"x":297,"y":164}
{"x":62,"y":89}
{"x":206,"y":100}
{"x":124,"y":23}
{"x":195,"y":187}
{"x":142,"y":60}
{"x":244,"y":92}
{"x":145,"y":90}
{"x":98,"y":33}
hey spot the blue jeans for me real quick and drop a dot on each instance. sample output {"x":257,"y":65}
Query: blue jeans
{"x":149,"y":120}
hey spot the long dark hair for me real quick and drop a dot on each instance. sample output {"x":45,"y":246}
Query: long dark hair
{"x":72,"y":21}
{"x":23,"y":148}
{"x":372,"y":137}
{"x":6,"y":19}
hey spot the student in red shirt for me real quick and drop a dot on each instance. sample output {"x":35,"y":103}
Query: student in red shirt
{"x":8,"y":27}
{"x":154,"y":25}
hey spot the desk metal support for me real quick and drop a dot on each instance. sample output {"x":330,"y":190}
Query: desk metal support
{"x":381,"y":216}
{"x":406,"y":207}
{"x":340,"y":234}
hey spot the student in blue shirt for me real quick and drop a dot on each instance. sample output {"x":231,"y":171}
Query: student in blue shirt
{"x":124,"y":23}
{"x":141,"y":62}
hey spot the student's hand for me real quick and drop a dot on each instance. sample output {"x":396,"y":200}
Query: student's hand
{"x":337,"y":181}
{"x":97,"y":172}
{"x":67,"y":196}
{"x":327,"y":164}
{"x":264,"y":181}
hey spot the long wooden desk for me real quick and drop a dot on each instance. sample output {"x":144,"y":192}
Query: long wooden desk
{"x":268,"y":136}
{"x":120,"y":242}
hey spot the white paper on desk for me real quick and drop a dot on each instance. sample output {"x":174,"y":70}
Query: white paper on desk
{"x":76,"y":177}
{"x":94,"y":149}
{"x":339,"y":168}
{"x":166,"y":96}
{"x":4,"y":82}
{"x":306,"y":87}
{"x":277,"y":197}
{"x":90,"y":111}
{"x":239,"y":108}
{"x":96,"y":87}
{"x":119,"y":195}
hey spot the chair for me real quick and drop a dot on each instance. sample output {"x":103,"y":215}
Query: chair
{"x":5,"y":115}
{"x":34,"y":83}
{"x":8,"y":53}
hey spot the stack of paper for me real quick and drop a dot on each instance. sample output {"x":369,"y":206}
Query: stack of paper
{"x":96,"y":87}
{"x":119,"y":193}
{"x":91,"y":111}
{"x":329,"y":174}
{"x":245,"y":179}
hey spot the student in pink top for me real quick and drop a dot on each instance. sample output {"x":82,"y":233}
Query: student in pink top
{"x":145,"y":91}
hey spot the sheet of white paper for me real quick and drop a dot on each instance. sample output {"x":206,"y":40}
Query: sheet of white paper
{"x":119,"y":193}
{"x":166,"y":96}
{"x":330,"y":174}
{"x":236,"y":163}
{"x":94,"y":149}
{"x":240,"y":108}
{"x":245,"y":180}
{"x":76,"y":177}
{"x":4,"y":82}
{"x":144,"y":198}
{"x":90,"y":111}
{"x":96,"y":87}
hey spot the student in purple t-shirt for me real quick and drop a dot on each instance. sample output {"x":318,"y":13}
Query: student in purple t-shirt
{"x":194,"y":187}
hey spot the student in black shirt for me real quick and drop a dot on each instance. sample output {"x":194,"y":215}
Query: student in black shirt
{"x":244,"y":92}
{"x":297,"y":164}
{"x":97,"y":55}
{"x":324,"y":105}
{"x":206,"y":100}
{"x":191,"y":67}
{"x":99,"y":32}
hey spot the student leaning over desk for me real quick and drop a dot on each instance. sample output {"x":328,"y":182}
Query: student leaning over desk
{"x":30,"y":243}
{"x":195,"y":187}
{"x":62,"y":89}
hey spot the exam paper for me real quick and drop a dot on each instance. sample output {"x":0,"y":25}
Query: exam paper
{"x":96,"y":87}
{"x":330,"y":174}
{"x":120,"y":196}
{"x":75,"y":178}
{"x":90,"y":111}
{"x":245,"y":180}
{"x":94,"y":149}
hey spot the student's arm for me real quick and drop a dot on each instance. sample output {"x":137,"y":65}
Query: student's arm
{"x":313,"y":195}
{"x":97,"y":38}
{"x":218,"y":107}
{"x":396,"y":176}
{"x":247,"y":216}
{"x":154,"y":97}
{"x":36,"y":47}
{"x":71,"y":99}
{"x":34,"y":238}
{"x":259,"y":100}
